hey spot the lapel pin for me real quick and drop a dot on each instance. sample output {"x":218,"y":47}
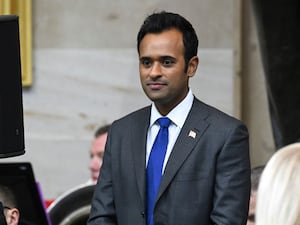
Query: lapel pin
{"x":192,"y":134}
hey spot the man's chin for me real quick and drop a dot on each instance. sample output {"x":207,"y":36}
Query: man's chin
{"x":157,"y":98}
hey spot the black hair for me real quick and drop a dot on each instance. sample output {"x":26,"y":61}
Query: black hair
{"x":162,"y":21}
{"x":7,"y":197}
{"x":102,"y":130}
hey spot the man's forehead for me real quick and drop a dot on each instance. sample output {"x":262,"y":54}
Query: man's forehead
{"x":170,"y":39}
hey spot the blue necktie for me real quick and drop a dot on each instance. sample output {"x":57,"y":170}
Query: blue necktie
{"x":155,"y":165}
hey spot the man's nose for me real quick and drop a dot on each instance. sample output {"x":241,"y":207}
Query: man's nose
{"x":155,"y":70}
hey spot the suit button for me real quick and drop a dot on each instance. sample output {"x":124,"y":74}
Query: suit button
{"x":143,"y":214}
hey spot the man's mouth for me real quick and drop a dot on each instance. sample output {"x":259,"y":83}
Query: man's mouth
{"x":156,"y":85}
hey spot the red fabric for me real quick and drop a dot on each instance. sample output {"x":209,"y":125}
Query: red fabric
{"x":48,"y":202}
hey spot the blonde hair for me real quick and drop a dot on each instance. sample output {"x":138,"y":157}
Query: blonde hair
{"x":278,"y":196}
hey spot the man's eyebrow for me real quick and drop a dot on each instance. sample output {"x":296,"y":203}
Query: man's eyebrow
{"x":167,"y":57}
{"x":145,"y":57}
{"x":160,"y":57}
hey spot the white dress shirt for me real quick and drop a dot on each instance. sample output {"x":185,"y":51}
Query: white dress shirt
{"x":177,"y":116}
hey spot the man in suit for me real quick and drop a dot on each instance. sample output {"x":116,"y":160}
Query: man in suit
{"x":97,"y":152}
{"x":205,"y":176}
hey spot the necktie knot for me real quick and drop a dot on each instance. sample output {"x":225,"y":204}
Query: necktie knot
{"x":164,"y":122}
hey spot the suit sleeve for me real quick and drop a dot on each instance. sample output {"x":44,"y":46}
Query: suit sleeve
{"x":103,"y":208}
{"x":232,"y":182}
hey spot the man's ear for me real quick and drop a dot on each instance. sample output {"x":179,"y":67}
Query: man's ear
{"x":192,"y":66}
{"x":13,"y":216}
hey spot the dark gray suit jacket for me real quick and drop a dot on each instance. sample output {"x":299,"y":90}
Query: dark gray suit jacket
{"x":206,"y":180}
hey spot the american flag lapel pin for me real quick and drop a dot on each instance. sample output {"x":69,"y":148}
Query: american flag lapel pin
{"x":192,"y":134}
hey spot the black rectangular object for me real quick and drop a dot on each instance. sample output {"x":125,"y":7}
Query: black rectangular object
{"x":19,"y":177}
{"x":11,"y":104}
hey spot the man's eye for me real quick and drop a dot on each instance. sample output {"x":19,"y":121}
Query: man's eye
{"x":146,"y":62}
{"x":168,"y":62}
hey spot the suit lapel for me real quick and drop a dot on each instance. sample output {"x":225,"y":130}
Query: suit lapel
{"x":139,"y":129}
{"x":194,"y":127}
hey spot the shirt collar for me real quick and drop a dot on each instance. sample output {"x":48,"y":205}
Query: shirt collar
{"x":178,"y":114}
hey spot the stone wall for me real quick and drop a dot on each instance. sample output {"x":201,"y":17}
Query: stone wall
{"x":85,"y":74}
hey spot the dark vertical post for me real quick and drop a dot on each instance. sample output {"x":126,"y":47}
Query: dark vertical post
{"x":278,"y":24}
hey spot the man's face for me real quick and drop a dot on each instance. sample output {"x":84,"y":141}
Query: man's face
{"x":162,"y":66}
{"x":96,"y":154}
{"x":251,"y":213}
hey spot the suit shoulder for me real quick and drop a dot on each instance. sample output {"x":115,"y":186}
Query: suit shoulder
{"x":217,"y":116}
{"x":138,"y":115}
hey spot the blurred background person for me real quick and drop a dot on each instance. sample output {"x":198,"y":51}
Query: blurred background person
{"x":278,"y":195}
{"x":9,"y":203}
{"x":78,"y":199}
{"x":96,"y":152}
{"x":255,"y":176}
